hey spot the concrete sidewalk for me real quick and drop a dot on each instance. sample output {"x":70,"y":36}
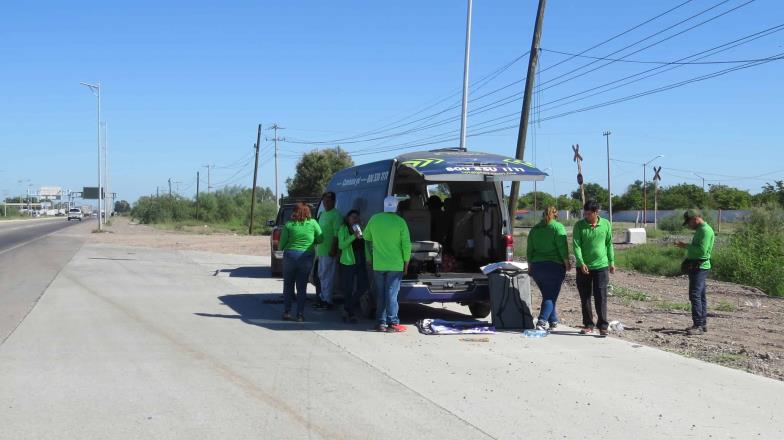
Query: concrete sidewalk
{"x":139,"y":343}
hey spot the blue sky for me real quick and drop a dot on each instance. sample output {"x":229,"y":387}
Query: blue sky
{"x":186,"y":83}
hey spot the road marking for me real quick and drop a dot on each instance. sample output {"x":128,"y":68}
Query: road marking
{"x":18,"y":245}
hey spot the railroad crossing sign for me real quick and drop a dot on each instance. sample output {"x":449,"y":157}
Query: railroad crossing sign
{"x":579,"y":159}
{"x":656,"y":175}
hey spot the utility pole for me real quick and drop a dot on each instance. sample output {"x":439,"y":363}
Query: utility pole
{"x":645,"y":191}
{"x":96,"y":89}
{"x":209,"y":184}
{"x":255,"y":173}
{"x":197,"y":195}
{"x":157,"y":191}
{"x":656,"y":179}
{"x":703,"y":181}
{"x":522,"y":131}
{"x":607,"y":134}
{"x":466,"y":59}
{"x":276,"y":127}
{"x":170,"y":187}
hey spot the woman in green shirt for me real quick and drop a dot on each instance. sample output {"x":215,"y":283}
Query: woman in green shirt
{"x":297,"y":240}
{"x":352,"y":261}
{"x":548,"y":261}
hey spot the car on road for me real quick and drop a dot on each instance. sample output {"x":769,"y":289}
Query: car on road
{"x":287,"y":205}
{"x":453,"y":203}
{"x":75,"y":214}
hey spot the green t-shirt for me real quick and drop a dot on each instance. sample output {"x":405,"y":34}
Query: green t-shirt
{"x":701,"y":245}
{"x":300,"y":235}
{"x":330,"y":222}
{"x":593,"y":246}
{"x":547,"y":242}
{"x":391,"y":242}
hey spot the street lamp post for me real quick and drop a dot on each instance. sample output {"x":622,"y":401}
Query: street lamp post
{"x":607,"y":134}
{"x":645,"y":191}
{"x":96,"y":89}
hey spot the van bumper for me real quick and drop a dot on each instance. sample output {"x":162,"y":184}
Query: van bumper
{"x":414,"y":292}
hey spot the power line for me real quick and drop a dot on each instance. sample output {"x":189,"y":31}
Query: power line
{"x":644,"y":39}
{"x":667,"y":63}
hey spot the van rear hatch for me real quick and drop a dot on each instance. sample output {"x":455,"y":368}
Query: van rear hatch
{"x":456,"y":165}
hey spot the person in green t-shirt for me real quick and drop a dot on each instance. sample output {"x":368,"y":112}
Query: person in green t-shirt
{"x":548,"y":261}
{"x":330,"y":222}
{"x":390,"y":250}
{"x":595,"y":261}
{"x":297,"y":239}
{"x":351,"y":242}
{"x":698,"y":264}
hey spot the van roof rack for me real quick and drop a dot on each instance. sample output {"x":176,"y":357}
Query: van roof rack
{"x":288,"y":200}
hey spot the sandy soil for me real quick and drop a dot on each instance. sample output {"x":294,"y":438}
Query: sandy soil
{"x":745,"y":332}
{"x":128,"y":233}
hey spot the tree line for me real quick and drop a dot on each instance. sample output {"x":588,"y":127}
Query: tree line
{"x":680,"y":196}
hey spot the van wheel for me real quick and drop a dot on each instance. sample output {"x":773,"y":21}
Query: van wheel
{"x":367,"y":305}
{"x":479,"y":310}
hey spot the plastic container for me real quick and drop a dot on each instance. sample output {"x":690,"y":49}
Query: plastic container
{"x":535,"y":333}
{"x":616,"y":326}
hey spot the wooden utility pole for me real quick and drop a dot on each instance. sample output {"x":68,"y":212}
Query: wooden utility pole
{"x":275,"y":128}
{"x":579,"y":159}
{"x":255,"y":173}
{"x":533,"y":59}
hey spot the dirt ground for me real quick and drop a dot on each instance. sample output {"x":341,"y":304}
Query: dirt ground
{"x":125,"y":232}
{"x":745,"y":327}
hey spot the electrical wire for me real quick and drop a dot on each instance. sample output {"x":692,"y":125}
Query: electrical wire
{"x":666,"y":63}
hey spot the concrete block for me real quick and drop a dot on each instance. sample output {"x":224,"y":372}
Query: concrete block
{"x":636,"y":236}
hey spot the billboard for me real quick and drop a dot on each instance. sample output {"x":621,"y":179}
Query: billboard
{"x":50,"y":192}
{"x":91,"y":193}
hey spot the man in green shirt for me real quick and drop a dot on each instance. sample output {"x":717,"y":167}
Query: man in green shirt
{"x":390,"y":250}
{"x":330,"y":222}
{"x":595,"y":260}
{"x":698,"y":255}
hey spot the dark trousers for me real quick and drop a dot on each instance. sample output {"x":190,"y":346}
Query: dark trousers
{"x":350,"y":273}
{"x":699,"y":304}
{"x":549,"y":277}
{"x":296,"y":268}
{"x":594,"y":285}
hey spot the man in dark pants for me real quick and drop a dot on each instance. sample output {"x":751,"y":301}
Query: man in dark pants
{"x":697,"y":265}
{"x":594,"y":260}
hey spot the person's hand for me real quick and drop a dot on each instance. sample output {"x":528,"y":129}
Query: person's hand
{"x":612,"y":268}
{"x":405,"y":268}
{"x":584,"y":269}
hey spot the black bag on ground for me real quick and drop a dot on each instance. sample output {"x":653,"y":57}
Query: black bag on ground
{"x":510,"y":300}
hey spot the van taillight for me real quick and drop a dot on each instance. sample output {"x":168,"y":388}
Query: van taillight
{"x":509,"y":239}
{"x":275,"y":237}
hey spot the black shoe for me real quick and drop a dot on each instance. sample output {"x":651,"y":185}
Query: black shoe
{"x":287,"y":316}
{"x":300,"y":318}
{"x":694,"y":331}
{"x":705,"y":329}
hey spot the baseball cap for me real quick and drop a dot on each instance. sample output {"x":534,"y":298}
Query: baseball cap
{"x":690,"y":214}
{"x":390,"y":204}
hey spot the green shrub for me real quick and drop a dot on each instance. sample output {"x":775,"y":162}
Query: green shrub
{"x":651,"y":258}
{"x":724,"y":306}
{"x":672,"y":223}
{"x":629,"y":294}
{"x":754,"y":254}
{"x":671,"y":306}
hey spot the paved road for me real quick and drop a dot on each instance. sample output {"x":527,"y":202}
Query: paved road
{"x":32,"y":252}
{"x":132,"y":343}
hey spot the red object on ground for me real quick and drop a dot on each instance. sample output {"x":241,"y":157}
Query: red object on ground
{"x":397,"y":328}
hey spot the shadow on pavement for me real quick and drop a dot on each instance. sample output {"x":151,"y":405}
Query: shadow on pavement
{"x":265,"y":310}
{"x":246,"y":272}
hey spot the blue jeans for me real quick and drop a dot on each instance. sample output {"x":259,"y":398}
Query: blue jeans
{"x":549,"y":276}
{"x":387,"y":287}
{"x":326,"y":272}
{"x":699,"y":303}
{"x":296,"y":269}
{"x":350,"y":273}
